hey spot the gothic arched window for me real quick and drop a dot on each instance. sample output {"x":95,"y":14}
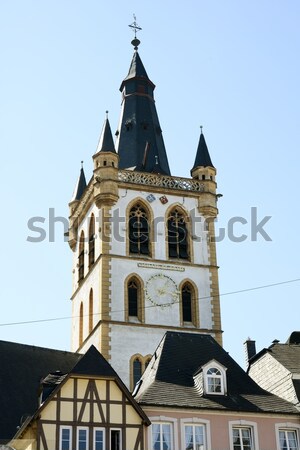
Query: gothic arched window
{"x":91,"y":310}
{"x":177,"y":235}
{"x":138,"y":230}
{"x":133,"y":288}
{"x":92,"y":241}
{"x":80,"y":324}
{"x":137,"y":370}
{"x":81,"y":257}
{"x":187,"y":302}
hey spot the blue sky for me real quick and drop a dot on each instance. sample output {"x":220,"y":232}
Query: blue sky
{"x":231,"y":66}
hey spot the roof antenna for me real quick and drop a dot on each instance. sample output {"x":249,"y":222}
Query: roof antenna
{"x":135,"y":27}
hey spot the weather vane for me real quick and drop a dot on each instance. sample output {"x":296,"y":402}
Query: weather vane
{"x":135,"y":27}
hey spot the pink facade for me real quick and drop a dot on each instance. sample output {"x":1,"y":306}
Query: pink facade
{"x":218,"y":428}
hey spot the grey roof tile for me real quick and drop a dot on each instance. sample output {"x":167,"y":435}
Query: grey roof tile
{"x":169,"y":381}
{"x":21,"y":370}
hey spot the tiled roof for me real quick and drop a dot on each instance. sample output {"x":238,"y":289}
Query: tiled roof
{"x":287,"y":354}
{"x":21,"y":370}
{"x":168,"y":380}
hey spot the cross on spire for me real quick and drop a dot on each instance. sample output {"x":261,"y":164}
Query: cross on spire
{"x":135,"y":27}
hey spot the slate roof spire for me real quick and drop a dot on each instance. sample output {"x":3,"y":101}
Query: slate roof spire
{"x":202,"y":156}
{"x":106,"y":143}
{"x":80,"y":185}
{"x":139,"y":123}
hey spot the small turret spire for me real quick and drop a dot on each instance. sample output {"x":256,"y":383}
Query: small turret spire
{"x":202,"y":156}
{"x":106,"y":143}
{"x":80,"y":185}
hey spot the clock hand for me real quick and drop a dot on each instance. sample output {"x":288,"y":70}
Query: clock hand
{"x":161,"y":291}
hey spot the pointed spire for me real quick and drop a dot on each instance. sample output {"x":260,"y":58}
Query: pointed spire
{"x":137,"y":69}
{"x":202,"y":157}
{"x":139,"y":124}
{"x":80,"y":185}
{"x":106,"y":143}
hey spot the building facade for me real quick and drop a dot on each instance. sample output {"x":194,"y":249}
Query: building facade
{"x":198,"y":398}
{"x":144,"y":256}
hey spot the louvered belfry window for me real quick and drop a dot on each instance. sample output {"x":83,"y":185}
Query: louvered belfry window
{"x":137,"y":370}
{"x":133,"y":297}
{"x":92,"y":241}
{"x":81,"y":258}
{"x":177,"y":235}
{"x":186,"y":298}
{"x":138,"y":230}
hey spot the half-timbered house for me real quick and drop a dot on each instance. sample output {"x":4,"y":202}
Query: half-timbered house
{"x":86,"y":408}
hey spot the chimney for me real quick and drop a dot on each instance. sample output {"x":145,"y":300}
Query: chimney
{"x":250,"y":350}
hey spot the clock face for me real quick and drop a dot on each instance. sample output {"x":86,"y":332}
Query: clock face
{"x":161,"y":291}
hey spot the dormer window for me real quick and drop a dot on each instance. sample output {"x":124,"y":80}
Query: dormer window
{"x":210,"y":379}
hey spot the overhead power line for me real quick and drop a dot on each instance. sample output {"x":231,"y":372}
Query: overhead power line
{"x":265,"y":286}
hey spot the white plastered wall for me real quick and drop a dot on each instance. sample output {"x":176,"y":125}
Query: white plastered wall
{"x":92,"y":280}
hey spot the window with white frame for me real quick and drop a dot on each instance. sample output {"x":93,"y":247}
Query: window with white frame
{"x":288,"y":439}
{"x":99,"y":439}
{"x":82,"y":438}
{"x":214,"y":377}
{"x":214,"y":381}
{"x":161,"y":436}
{"x":242,"y":438}
{"x":65,"y":442}
{"x":194,"y":437}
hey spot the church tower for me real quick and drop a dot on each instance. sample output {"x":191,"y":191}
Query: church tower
{"x":144,"y":256}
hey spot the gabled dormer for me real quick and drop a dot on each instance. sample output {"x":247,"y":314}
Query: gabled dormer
{"x":210,"y":379}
